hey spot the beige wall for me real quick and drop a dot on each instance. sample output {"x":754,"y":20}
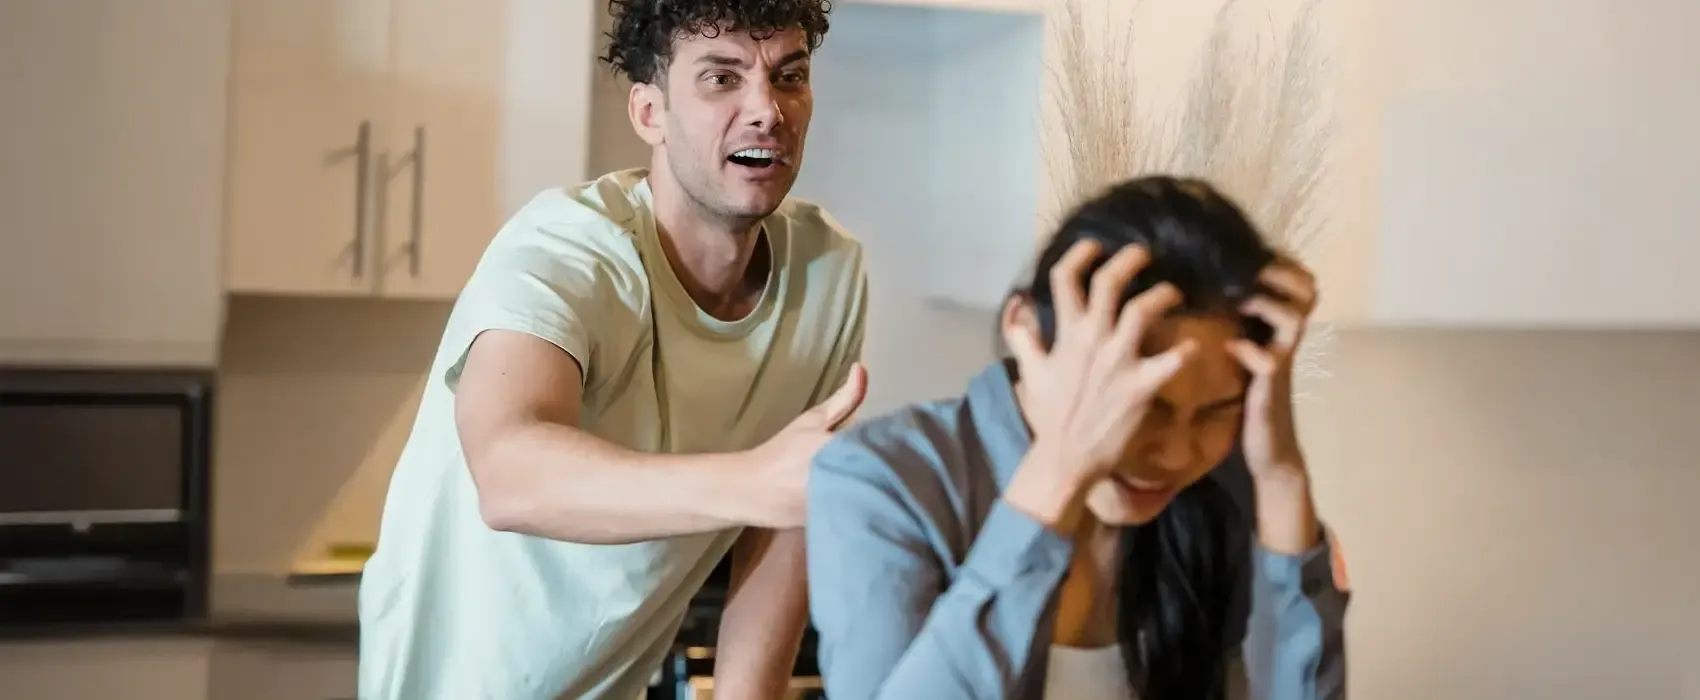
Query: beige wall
{"x":1517,"y":510}
{"x":311,"y":393}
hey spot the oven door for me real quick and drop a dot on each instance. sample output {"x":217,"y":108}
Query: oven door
{"x":103,"y":496}
{"x":84,"y":449}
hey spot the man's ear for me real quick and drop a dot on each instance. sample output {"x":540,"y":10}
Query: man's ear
{"x":645,"y":106}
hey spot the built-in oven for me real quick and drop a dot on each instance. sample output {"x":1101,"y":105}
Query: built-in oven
{"x":104,"y":503}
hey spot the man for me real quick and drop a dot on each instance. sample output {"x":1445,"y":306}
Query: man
{"x":625,"y":383}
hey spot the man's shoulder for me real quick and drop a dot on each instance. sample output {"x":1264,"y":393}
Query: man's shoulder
{"x":587,"y":227}
{"x":816,"y":231}
{"x":599,"y":212}
{"x":567,"y":254}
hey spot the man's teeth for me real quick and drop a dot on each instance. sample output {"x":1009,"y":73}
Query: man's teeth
{"x":765,"y":153}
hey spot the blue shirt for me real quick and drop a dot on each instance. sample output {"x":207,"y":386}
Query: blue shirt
{"x":925,"y":585}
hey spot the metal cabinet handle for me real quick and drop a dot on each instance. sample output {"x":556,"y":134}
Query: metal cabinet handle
{"x":415,"y":159}
{"x":362,"y":173}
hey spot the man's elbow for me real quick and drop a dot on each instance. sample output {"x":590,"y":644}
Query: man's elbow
{"x":509,"y":499}
{"x":503,"y":500}
{"x":502,"y":514}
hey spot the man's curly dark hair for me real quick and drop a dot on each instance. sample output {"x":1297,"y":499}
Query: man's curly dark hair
{"x":641,"y":43}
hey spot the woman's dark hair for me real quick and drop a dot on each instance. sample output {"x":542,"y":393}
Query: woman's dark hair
{"x":1180,"y":572}
{"x":641,"y":42}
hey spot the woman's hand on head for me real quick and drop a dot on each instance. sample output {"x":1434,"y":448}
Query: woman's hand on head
{"x":1269,"y":439}
{"x":1085,"y":396}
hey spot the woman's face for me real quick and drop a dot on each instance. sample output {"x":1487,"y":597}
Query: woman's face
{"x":1192,"y":424}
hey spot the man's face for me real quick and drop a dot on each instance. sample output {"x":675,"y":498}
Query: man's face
{"x":1193,"y":424}
{"x":732,"y":119}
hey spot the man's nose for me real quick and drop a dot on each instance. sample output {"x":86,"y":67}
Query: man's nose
{"x":761,"y":107}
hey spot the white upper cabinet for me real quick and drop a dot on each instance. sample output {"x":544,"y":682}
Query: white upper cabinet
{"x":1536,"y":165}
{"x":112,"y":150}
{"x":379,"y":144}
{"x":307,"y":85}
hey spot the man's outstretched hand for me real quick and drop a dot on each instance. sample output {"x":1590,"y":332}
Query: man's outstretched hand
{"x":782,"y":463}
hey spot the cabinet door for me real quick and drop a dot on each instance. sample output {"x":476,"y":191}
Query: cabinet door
{"x":279,"y":670}
{"x":491,"y":106}
{"x":143,"y":668}
{"x":307,"y":80}
{"x":112,"y":152}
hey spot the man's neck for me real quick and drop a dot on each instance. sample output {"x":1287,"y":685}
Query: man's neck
{"x":711,"y":257}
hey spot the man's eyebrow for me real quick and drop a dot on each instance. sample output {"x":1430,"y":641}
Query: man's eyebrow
{"x":793,"y":57}
{"x":720,"y":59}
{"x":729,"y":61}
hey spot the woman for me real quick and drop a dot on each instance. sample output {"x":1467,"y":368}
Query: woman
{"x":1082,"y":523}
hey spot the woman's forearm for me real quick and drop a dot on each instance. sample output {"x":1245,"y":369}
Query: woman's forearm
{"x":1286,"y":513}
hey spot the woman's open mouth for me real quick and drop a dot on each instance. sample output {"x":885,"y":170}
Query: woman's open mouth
{"x":1145,"y":494}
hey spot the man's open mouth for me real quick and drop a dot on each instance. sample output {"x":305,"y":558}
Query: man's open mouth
{"x":756,"y":158}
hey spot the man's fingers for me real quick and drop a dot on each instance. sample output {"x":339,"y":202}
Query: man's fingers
{"x":843,"y":403}
{"x":1140,"y":312}
{"x":1066,"y":295}
{"x":1112,"y":279}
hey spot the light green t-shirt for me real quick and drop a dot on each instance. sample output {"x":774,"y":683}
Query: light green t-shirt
{"x":449,"y":608}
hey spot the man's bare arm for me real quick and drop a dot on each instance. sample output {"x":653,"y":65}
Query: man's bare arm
{"x":766,"y":611}
{"x":517,"y":410}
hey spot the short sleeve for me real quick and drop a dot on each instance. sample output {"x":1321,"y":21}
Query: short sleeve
{"x":576,"y":284}
{"x":847,"y":350}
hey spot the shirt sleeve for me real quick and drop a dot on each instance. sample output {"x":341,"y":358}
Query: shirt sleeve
{"x":568,"y":283}
{"x":847,"y":350}
{"x":1294,"y":647}
{"x":892,"y":624}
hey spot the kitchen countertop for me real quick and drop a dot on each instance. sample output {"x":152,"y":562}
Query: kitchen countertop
{"x":310,"y":610}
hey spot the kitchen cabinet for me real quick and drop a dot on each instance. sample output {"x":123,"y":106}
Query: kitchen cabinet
{"x":136,"y":668}
{"x":282,"y":670}
{"x":377,"y":145}
{"x":1535,"y":166}
{"x":112,"y":151}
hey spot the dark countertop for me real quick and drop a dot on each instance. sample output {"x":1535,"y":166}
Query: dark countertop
{"x":315,"y":609}
{"x":322,"y":611}
{"x":257,"y":607}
